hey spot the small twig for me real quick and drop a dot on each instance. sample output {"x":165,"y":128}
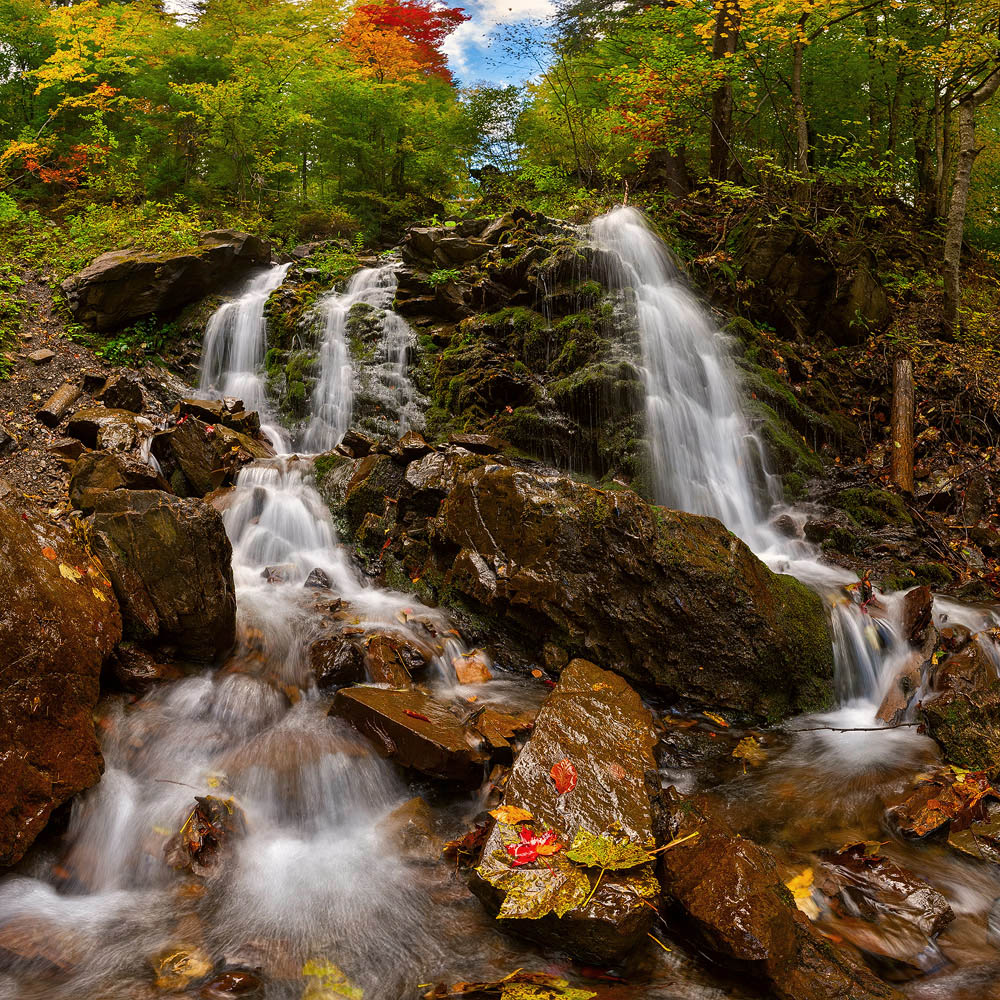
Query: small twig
{"x":675,"y":842}
{"x":170,"y":781}
{"x":659,"y":942}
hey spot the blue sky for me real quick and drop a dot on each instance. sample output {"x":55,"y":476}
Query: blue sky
{"x":476,"y":50}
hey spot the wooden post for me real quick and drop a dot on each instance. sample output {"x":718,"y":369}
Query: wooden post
{"x":58,"y":404}
{"x":903,"y":406}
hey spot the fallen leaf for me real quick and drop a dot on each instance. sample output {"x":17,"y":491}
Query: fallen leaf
{"x":801,"y":889}
{"x":511,"y":815}
{"x":325,"y":981}
{"x":49,"y":553}
{"x":467,"y":846}
{"x":415,"y":715}
{"x":529,"y":846}
{"x":551,"y":886}
{"x":717,"y":719}
{"x":175,"y":969}
{"x":563,"y":773}
{"x":536,"y":672}
{"x":69,"y":573}
{"x":750,"y":751}
{"x":612,"y":850}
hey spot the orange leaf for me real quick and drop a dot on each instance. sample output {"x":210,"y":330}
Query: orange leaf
{"x":49,"y":553}
{"x":415,"y":715}
{"x":511,"y":814}
{"x":563,"y":774}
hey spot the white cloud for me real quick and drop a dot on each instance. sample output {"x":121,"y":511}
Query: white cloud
{"x":465,"y":46}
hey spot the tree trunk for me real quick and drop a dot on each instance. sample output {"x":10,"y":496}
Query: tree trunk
{"x":903,"y":406}
{"x":944,"y":158}
{"x":967,"y":153}
{"x":720,"y":140}
{"x":801,"y":121}
{"x":58,"y":404}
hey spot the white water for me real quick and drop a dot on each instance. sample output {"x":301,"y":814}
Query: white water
{"x":386,"y":380}
{"x":235,"y":345}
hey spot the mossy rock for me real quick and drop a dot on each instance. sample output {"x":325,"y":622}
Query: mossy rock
{"x":787,"y":448}
{"x":872,"y":507}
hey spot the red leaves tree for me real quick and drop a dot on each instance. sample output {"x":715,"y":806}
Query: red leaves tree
{"x":422,"y":22}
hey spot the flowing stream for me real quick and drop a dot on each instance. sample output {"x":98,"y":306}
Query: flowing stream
{"x":316,"y":882}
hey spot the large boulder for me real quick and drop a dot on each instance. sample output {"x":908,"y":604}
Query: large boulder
{"x":96,"y":472}
{"x":666,"y":598}
{"x":170,"y":562}
{"x":122,"y":286}
{"x":595,"y":728}
{"x":59,"y":622}
{"x":731,"y":896}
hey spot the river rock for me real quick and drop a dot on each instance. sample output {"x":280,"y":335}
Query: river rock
{"x":108,"y":429}
{"x":96,"y":472}
{"x":199,"y":458}
{"x":136,"y":670}
{"x":229,"y":412}
{"x":962,"y":710}
{"x":170,"y":562}
{"x":123,"y":392}
{"x":60,"y":621}
{"x":732,"y":896}
{"x":598,"y":724}
{"x":383,"y":662}
{"x":666,"y":598}
{"x":125,"y":285}
{"x":336,"y":661}
{"x":917,"y":614}
{"x":416,"y":731}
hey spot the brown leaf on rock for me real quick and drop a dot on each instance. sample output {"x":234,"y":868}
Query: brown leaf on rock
{"x":563,"y":773}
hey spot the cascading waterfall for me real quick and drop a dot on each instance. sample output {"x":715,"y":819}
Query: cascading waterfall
{"x":334,"y":395}
{"x":706,"y":458}
{"x":236,"y":342}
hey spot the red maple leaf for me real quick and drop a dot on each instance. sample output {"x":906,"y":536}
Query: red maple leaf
{"x":563,"y":774}
{"x":531,"y":845}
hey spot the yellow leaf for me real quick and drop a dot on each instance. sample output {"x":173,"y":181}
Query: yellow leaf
{"x":68,"y":572}
{"x":98,"y":595}
{"x":801,"y":885}
{"x":717,"y":719}
{"x":511,"y":814}
{"x":750,"y":751}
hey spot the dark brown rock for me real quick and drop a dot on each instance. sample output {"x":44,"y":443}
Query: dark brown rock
{"x":96,"y":472}
{"x":597,"y":722}
{"x":413,"y":729}
{"x":67,"y":450}
{"x":336,"y":661}
{"x":317,"y":580}
{"x":229,"y":413}
{"x":410,"y":446}
{"x":917,"y":616}
{"x":123,"y":392}
{"x":481,"y":444}
{"x":136,"y":670}
{"x":124,"y":285}
{"x":732,"y":896}
{"x":607,"y":574}
{"x":962,"y":711}
{"x":199,"y":458}
{"x":356,"y":445}
{"x":59,"y":621}
{"x":383,"y":662}
{"x":99,"y":427}
{"x":170,"y":562}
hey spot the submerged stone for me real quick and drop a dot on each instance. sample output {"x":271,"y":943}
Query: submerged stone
{"x":414,"y":730}
{"x":594,"y":721}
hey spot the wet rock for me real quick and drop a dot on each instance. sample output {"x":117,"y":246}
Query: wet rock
{"x":354,"y":489}
{"x":67,"y":450}
{"x":201,"y":845}
{"x":100,"y":427}
{"x":97,"y":472}
{"x":499,"y":731}
{"x":414,"y":730}
{"x":228,"y":412}
{"x":953,"y":638}
{"x":942,"y":801}
{"x":198,"y":458}
{"x":606,"y":574}
{"x":481,"y":444}
{"x":410,"y":829}
{"x":902,"y":689}
{"x":58,"y":624}
{"x":170,"y":562}
{"x":597,"y":722}
{"x":962,"y":711}
{"x":124,"y":285}
{"x":383,"y":662}
{"x":136,"y":670}
{"x":786,"y":525}
{"x":243,"y":983}
{"x":336,"y":661}
{"x":123,"y":392}
{"x":356,"y":445}
{"x":917,"y":614}
{"x":411,"y":446}
{"x":317,"y":580}
{"x":732,"y":896}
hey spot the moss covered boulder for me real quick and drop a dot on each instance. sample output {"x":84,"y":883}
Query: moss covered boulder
{"x":670,"y":599}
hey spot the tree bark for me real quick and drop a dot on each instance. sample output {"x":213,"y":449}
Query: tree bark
{"x":967,"y":153}
{"x":58,"y":404}
{"x":799,"y":106}
{"x":723,"y":45}
{"x":903,"y":405}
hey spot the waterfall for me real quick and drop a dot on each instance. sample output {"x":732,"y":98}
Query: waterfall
{"x":236,"y":342}
{"x":705,"y":457}
{"x":384,"y":381}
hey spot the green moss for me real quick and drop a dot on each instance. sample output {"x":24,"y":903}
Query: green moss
{"x":322,"y":464}
{"x":787,"y":448}
{"x":872,"y":507}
